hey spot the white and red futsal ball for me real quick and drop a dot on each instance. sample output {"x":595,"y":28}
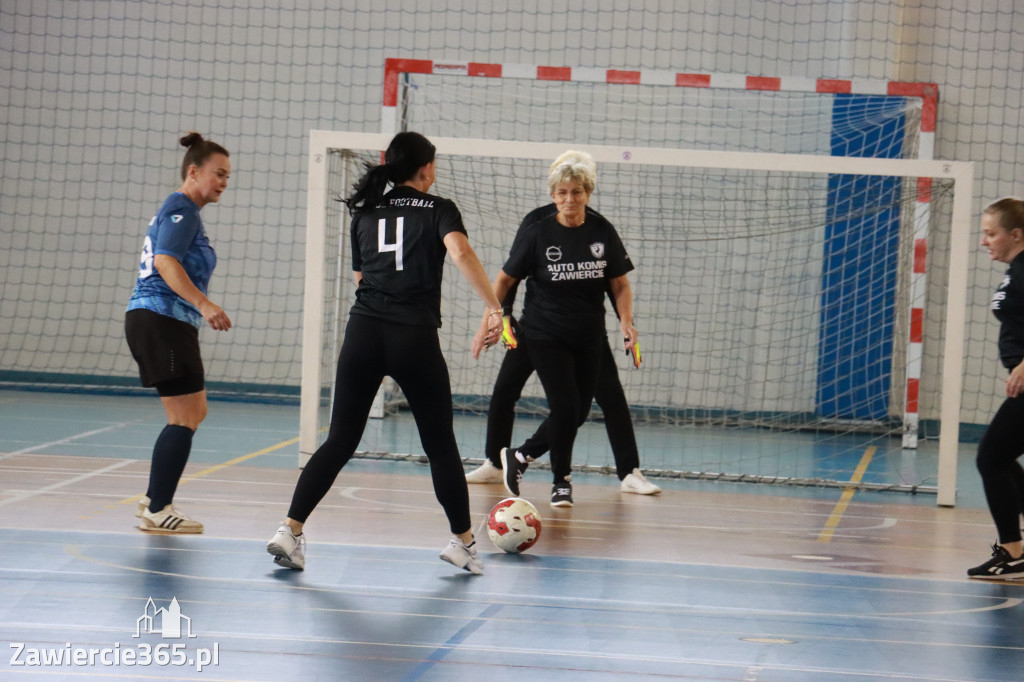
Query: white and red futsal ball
{"x":514,"y":525}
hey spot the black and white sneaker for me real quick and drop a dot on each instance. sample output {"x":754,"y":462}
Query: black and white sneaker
{"x":1001,"y":566}
{"x":168,"y":521}
{"x":561,"y":494}
{"x":512,"y":471}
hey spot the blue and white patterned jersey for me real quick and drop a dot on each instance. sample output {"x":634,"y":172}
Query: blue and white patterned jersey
{"x":177,"y":231}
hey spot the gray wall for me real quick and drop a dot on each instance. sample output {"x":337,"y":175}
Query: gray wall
{"x":93,"y":96}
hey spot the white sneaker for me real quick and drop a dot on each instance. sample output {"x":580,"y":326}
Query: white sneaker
{"x":463,"y":556}
{"x":287,"y":548}
{"x":637,"y":483}
{"x":142,"y":506}
{"x":485,"y":473}
{"x":168,"y":521}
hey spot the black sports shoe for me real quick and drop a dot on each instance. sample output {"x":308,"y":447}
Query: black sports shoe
{"x":1001,"y":566}
{"x":561,"y":494}
{"x":511,"y":471}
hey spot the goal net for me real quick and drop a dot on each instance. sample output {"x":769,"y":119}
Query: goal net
{"x":870,"y":118}
{"x":766,"y":304}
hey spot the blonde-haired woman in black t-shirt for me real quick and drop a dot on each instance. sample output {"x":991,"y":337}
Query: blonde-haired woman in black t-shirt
{"x":1002,"y":226}
{"x":569,"y":259}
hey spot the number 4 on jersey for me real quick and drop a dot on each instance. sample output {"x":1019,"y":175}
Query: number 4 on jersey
{"x":382,"y":241}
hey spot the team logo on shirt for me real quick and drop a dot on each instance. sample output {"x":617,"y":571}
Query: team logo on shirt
{"x":177,"y":218}
{"x":554,"y":253}
{"x":597,"y":248}
{"x":1000,"y":295}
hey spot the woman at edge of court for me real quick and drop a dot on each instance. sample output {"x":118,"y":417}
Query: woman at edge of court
{"x":1002,"y":226}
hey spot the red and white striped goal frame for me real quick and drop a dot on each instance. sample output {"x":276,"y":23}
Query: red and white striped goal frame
{"x":928,"y":93}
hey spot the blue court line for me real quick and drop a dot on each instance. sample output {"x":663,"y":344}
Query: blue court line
{"x":456,"y":639}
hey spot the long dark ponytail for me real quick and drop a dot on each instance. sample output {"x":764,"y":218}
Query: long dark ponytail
{"x":407,"y":153}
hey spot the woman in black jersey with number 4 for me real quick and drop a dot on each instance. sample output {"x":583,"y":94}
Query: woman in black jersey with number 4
{"x":1002,"y":226}
{"x":399,"y":241}
{"x":569,"y":259}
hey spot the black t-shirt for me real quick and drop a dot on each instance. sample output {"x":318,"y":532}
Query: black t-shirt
{"x":1008,"y":307}
{"x":508,"y":303}
{"x":567,"y":270}
{"x":399,"y":249}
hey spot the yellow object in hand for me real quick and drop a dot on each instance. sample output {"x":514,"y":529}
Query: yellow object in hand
{"x":635,"y":352}
{"x":508,"y":337}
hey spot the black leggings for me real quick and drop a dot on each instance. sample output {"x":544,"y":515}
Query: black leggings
{"x":411,"y":355}
{"x":516,"y":368}
{"x":568,"y":376}
{"x":1001,"y":473}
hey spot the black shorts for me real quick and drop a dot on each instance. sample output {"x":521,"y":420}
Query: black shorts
{"x":167,"y":352}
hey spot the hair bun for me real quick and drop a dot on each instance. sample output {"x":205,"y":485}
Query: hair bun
{"x":191,"y":139}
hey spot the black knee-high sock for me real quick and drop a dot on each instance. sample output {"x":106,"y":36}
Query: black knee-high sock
{"x":170,"y":454}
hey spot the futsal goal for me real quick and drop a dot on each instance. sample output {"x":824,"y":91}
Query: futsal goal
{"x":768,"y":288}
{"x":687,"y":110}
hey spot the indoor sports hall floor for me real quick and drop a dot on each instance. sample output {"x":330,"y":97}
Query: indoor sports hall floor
{"x":708,"y":581}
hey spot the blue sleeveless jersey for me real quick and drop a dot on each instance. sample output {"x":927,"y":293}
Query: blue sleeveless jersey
{"x":177,"y":231}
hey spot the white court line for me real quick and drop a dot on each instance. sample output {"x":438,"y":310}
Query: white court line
{"x":577,"y":602}
{"x":84,"y":434}
{"x":25,"y":494}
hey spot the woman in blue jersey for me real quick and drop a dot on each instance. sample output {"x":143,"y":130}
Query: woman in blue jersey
{"x":1002,"y":226}
{"x":165,"y":310}
{"x":399,"y":241}
{"x":569,"y":259}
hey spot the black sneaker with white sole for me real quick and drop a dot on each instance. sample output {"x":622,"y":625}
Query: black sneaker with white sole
{"x":561,"y":494}
{"x":1001,"y":566}
{"x":512,"y":471}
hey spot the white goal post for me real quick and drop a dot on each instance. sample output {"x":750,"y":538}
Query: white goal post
{"x":327,"y":264}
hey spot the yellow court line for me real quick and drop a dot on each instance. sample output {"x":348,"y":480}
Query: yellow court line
{"x":844,"y":500}
{"x":215,"y":467}
{"x":237,"y":460}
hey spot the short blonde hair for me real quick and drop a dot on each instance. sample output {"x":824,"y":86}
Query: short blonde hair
{"x":573,"y":166}
{"x":1009,"y":211}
